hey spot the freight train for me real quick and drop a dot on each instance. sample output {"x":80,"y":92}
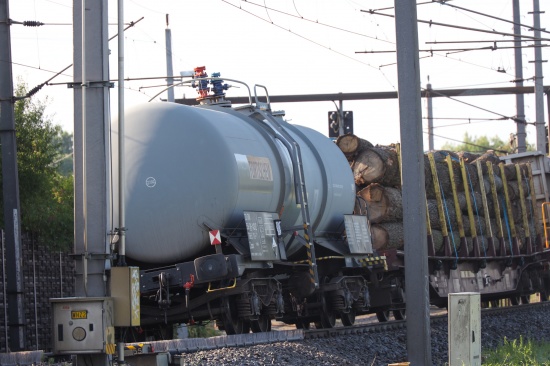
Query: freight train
{"x":238,"y":217}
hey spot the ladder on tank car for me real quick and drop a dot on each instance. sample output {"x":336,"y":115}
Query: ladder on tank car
{"x":262,"y":112}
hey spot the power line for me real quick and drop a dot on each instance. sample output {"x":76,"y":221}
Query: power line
{"x":430,"y":22}
{"x":455,"y":50}
{"x":467,"y":62}
{"x":54,"y":2}
{"x":38,"y":87}
{"x":310,"y":40}
{"x":36,"y":68}
{"x":470,"y":121}
{"x":476,"y":41}
{"x":391,"y":7}
{"x":490,"y":16}
{"x":317,"y":22}
{"x":515,"y":119}
{"x":466,"y":118}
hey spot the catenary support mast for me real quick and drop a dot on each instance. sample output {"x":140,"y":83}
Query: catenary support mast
{"x":10,"y":191}
{"x":414,"y":196}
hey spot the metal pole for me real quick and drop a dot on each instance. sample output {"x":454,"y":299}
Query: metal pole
{"x":4,"y":293}
{"x":34,"y":295}
{"x":539,"y":89}
{"x":414,"y":196}
{"x":91,"y":150}
{"x":84,"y":165}
{"x":341,"y":118}
{"x":430,"y":117}
{"x":169,"y":69}
{"x":520,"y":105}
{"x":91,"y":119}
{"x":121,"y":166}
{"x":10,"y":189}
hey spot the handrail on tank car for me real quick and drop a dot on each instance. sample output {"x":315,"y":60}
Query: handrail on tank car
{"x":267,"y":104}
{"x":545,"y":223}
{"x":193,"y":80}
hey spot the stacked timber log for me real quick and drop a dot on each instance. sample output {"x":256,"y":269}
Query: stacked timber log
{"x":475,"y":203}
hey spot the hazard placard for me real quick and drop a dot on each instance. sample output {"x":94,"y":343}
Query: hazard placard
{"x":215,"y":238}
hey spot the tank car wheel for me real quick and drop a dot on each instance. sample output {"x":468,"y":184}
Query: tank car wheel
{"x":494,"y":303}
{"x":383,"y":316}
{"x":543,"y":296}
{"x":263,"y":324}
{"x":399,"y":314}
{"x":515,"y":300}
{"x":232,"y":324}
{"x":328,"y":317}
{"x":526,"y":299}
{"x":348,"y":319}
{"x":328,"y":320}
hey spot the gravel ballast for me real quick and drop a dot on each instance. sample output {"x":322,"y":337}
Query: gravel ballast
{"x":375,"y":349}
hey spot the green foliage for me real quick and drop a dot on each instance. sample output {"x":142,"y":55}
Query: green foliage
{"x":478,"y":144}
{"x":65,"y":162}
{"x":481,"y":144}
{"x":519,"y":352}
{"x":46,"y":195}
{"x":203,"y":330}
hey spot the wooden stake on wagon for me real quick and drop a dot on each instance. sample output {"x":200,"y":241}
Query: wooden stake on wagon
{"x":490,"y":249}
{"x":441,"y":211}
{"x":515,"y":244}
{"x":461,"y":234}
{"x":528,"y":243}
{"x":496,"y":205}
{"x":471,"y":218}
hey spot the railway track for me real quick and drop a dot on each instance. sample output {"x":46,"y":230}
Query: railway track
{"x":250,"y":339}
{"x":401,"y":324}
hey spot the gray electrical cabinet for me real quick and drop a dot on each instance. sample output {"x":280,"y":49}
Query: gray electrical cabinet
{"x":83,"y":325}
{"x":464,"y":329}
{"x":125,"y":295}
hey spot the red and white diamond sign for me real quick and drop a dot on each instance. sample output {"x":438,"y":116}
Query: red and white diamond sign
{"x":215,"y":238}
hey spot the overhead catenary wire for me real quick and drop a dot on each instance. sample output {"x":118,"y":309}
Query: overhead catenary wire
{"x":47,"y":82}
{"x":478,"y":41}
{"x":319,"y":23}
{"x":490,"y":16}
{"x":360,"y":34}
{"x":515,"y":119}
{"x":465,"y":123}
{"x":391,"y":7}
{"x":431,"y":22}
{"x":311,"y":41}
{"x":454,"y":50}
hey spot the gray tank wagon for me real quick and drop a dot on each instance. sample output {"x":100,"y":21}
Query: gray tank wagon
{"x":236,"y":216}
{"x":191,"y":170}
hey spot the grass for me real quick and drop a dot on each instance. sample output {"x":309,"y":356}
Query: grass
{"x":519,"y":352}
{"x":203,"y":330}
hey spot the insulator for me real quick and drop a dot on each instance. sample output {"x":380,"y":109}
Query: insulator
{"x":32,"y":23}
{"x":34,"y":90}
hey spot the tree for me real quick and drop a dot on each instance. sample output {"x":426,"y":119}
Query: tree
{"x":46,"y":195}
{"x":65,"y":161}
{"x":483,"y":143}
{"x":479,"y":144}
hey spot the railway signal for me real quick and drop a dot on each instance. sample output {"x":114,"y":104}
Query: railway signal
{"x":334,"y":123}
